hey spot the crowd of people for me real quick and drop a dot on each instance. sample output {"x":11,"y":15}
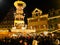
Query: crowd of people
{"x":30,"y":39}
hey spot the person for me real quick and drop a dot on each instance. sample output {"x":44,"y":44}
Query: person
{"x":35,"y":42}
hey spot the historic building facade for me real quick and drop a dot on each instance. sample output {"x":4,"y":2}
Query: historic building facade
{"x":38,"y":21}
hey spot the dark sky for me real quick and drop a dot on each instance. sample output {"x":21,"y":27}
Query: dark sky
{"x":44,"y":5}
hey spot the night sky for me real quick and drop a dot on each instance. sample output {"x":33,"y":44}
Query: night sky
{"x":44,"y":5}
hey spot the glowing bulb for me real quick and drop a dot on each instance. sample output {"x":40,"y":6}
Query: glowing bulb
{"x":45,"y":33}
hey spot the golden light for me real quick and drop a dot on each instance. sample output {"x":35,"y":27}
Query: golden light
{"x":45,"y":33}
{"x":17,"y":21}
{"x":14,"y":35}
{"x":52,"y":34}
{"x":13,"y":27}
{"x":23,"y":28}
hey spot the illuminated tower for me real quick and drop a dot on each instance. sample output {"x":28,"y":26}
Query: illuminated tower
{"x":19,"y":14}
